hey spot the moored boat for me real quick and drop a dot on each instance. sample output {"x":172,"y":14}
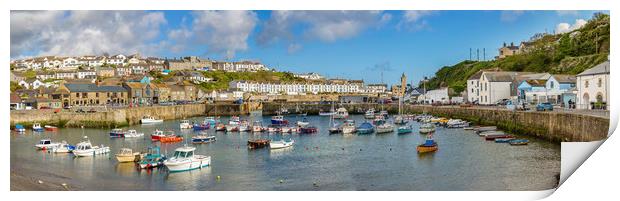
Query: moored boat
{"x":20,"y":128}
{"x":405,"y":129}
{"x":427,"y":128}
{"x":457,"y":123}
{"x":487,"y":133}
{"x":184,"y":124}
{"x":64,"y":147}
{"x":184,"y":159}
{"x":170,"y":137}
{"x":46,"y":144}
{"x":303,"y":122}
{"x":36,"y":127}
{"x":85,"y":148}
{"x":200,"y":127}
{"x":133,"y":134}
{"x":281,"y":144}
{"x":258,"y":143}
{"x":150,"y":120}
{"x":51,"y":128}
{"x":481,"y":129}
{"x":220,"y":127}
{"x":157,"y":134}
{"x":257,"y":127}
{"x":200,"y":139}
{"x":385,"y":128}
{"x":117,"y":132}
{"x":493,"y":137}
{"x":429,"y":145}
{"x":348,"y":127}
{"x":519,"y":142}
{"x":341,"y":113}
{"x":308,"y":130}
{"x":370,"y":113}
{"x":127,"y":155}
{"x":278,"y":120}
{"x":503,"y":140}
{"x":365,"y":128}
{"x":153,"y":158}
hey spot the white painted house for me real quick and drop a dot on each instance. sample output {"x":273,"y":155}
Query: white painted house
{"x":70,"y":63}
{"x":473,"y":87}
{"x":495,"y":86}
{"x":593,"y":86}
{"x":436,"y":96}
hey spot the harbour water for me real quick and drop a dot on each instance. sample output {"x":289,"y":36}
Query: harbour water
{"x":318,"y":161}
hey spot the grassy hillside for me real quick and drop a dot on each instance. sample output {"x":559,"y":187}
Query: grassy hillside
{"x":224,"y":78}
{"x":567,"y":53}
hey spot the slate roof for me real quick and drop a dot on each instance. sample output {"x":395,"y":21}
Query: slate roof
{"x":565,"y":78}
{"x":602,"y":68}
{"x":94,"y":88}
{"x":536,"y":83}
{"x":476,"y":75}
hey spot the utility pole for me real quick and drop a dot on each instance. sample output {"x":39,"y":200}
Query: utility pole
{"x":484,"y":54}
{"x":470,"y":53}
{"x":477,"y":54}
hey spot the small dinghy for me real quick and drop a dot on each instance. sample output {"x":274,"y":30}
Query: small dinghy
{"x":117,"y":132}
{"x":503,"y":140}
{"x":308,"y":130}
{"x":150,"y":120}
{"x":518,"y":142}
{"x":493,"y":137}
{"x":201,"y":139}
{"x":184,"y":124}
{"x":127,"y":155}
{"x":51,"y":128}
{"x":405,"y":129}
{"x":303,"y":122}
{"x":281,"y":144}
{"x":19,"y":128}
{"x":429,"y":145}
{"x":170,"y":137}
{"x":184,"y":159}
{"x":427,"y":128}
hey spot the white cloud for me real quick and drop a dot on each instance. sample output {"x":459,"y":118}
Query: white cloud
{"x":413,"y":20}
{"x":510,"y":16}
{"x":566,"y":27}
{"x":294,"y":47}
{"x":84,"y":32}
{"x":567,"y":12}
{"x":325,"y":26}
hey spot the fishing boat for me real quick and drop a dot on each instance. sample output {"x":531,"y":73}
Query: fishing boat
{"x":64,"y":147}
{"x":46,"y":144}
{"x":385,"y":128}
{"x":341,"y":113}
{"x":126,"y":155}
{"x":370,"y":113}
{"x":157,"y":134}
{"x":184,"y":124}
{"x":281,"y":144}
{"x":117,"y":132}
{"x":400,"y":119}
{"x":257,"y":127}
{"x":405,"y":129}
{"x":36,"y":127}
{"x":150,"y":120}
{"x":285,"y":129}
{"x":184,"y":159}
{"x":152,"y":159}
{"x":201,"y":139}
{"x":85,"y":148}
{"x":200,"y":127}
{"x":245,"y":126}
{"x":365,"y":128}
{"x":303,"y":122}
{"x":504,"y":140}
{"x":348,"y":127}
{"x":428,"y":146}
{"x":493,"y":137}
{"x":427,"y":128}
{"x":308,"y":130}
{"x":220,"y":127}
{"x":170,"y":137}
{"x":278,"y":120}
{"x":232,"y":128}
{"x":50,"y":128}
{"x":258,"y":143}
{"x":519,"y":142}
{"x":19,"y":128}
{"x":133,"y":134}
{"x":211,"y":121}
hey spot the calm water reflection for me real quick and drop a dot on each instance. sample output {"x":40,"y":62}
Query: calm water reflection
{"x":332,"y":162}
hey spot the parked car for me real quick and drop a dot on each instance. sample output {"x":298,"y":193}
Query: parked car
{"x":544,"y":107}
{"x":502,"y":102}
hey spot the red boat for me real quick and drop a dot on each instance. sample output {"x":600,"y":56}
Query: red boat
{"x":51,"y":128}
{"x":493,"y":137}
{"x":170,"y":138}
{"x":308,"y":130}
{"x":157,"y":134}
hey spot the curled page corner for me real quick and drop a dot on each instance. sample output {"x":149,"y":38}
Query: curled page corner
{"x":573,"y":155}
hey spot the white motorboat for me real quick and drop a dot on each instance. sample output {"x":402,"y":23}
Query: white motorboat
{"x":303,"y":122}
{"x":85,"y":148}
{"x":427,"y":128}
{"x":150,"y":120}
{"x":487,"y":133}
{"x":133,"y":133}
{"x":64,"y":147}
{"x":185,"y":124}
{"x":281,"y":144}
{"x":245,"y":127}
{"x":341,"y":113}
{"x":286,"y":129}
{"x":370,"y":113}
{"x":349,"y":127}
{"x":36,"y":127}
{"x":384,"y":128}
{"x":184,"y":159}
{"x":46,"y":144}
{"x":127,"y":155}
{"x":258,"y":127}
{"x":457,"y":123}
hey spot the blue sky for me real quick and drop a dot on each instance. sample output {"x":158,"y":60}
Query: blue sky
{"x":351,"y":45}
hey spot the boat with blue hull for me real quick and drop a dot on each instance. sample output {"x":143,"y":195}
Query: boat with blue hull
{"x":365,"y":128}
{"x":200,"y":139}
{"x":117,"y":133}
{"x":405,"y":129}
{"x":278,"y":120}
{"x":200,"y":127}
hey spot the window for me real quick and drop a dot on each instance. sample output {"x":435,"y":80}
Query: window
{"x":587,"y":84}
{"x":551,"y":84}
{"x":600,"y":82}
{"x":97,"y":94}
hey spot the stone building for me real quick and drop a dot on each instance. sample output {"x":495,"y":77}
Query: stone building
{"x":91,"y":94}
{"x":187,"y":63}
